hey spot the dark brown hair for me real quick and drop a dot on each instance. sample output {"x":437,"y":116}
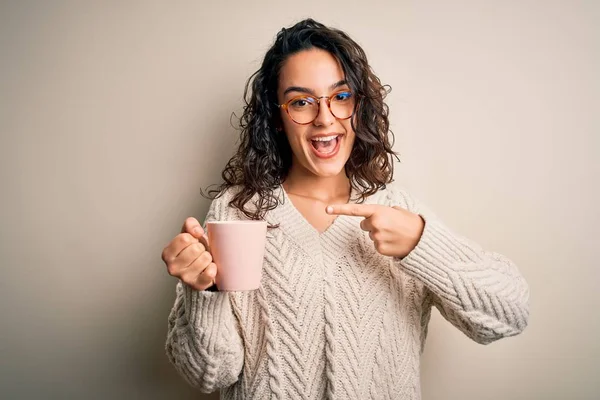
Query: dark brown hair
{"x":264,"y":156}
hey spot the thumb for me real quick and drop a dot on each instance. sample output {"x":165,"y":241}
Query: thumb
{"x":193,"y":227}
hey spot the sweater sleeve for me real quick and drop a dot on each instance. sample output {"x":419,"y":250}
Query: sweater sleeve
{"x":203,"y":340}
{"x":480,"y":292}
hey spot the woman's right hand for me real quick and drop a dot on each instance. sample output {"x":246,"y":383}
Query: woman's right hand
{"x":188,"y":257}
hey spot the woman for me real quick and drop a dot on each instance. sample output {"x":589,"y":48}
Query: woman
{"x":344,"y":302}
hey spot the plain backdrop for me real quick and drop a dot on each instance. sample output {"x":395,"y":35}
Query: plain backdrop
{"x":113,"y":115}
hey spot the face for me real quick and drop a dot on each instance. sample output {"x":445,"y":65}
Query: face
{"x":323,"y":146}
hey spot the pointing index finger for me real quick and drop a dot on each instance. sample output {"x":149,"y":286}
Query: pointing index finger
{"x":353,"y":210}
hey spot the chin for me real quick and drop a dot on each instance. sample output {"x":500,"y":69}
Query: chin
{"x":328,"y":170}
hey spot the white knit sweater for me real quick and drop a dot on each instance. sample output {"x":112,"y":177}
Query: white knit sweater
{"x":335,"y":319}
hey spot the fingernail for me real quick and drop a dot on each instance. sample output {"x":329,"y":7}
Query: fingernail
{"x":329,"y":209}
{"x":198,"y":231}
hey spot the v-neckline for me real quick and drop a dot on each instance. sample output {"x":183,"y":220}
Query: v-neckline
{"x":287,"y":202}
{"x":290,"y":222}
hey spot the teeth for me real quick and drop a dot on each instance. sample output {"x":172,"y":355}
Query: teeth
{"x":325,"y":139}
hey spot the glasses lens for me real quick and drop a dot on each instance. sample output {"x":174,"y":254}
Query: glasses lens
{"x":303,"y":109}
{"x":342,"y":105}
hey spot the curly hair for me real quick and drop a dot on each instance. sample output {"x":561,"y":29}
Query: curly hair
{"x":264,"y":156}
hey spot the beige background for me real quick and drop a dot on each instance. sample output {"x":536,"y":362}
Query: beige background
{"x":114,"y":113}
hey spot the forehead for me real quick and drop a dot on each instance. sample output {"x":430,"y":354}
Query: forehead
{"x":315,"y":69}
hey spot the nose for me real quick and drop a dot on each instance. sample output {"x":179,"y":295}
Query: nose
{"x":324,"y":117}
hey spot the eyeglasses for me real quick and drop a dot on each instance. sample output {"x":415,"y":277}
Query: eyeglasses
{"x":304,"y":109}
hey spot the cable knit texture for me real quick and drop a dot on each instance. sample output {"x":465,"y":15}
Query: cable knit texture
{"x":334,"y":319}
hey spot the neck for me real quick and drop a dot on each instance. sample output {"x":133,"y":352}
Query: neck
{"x":306,"y":184}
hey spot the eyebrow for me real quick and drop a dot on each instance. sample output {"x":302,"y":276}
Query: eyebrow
{"x":309,"y":91}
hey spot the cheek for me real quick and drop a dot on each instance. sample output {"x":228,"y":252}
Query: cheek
{"x":288,"y":127}
{"x":350,"y":136}
{"x":294,"y":134}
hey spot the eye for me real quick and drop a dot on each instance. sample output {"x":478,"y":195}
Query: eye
{"x":342,"y":96}
{"x":302,"y":102}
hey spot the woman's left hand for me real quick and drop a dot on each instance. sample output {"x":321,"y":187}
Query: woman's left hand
{"x":394,"y":230}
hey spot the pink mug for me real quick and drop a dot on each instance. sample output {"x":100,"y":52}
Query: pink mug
{"x":238,"y":250}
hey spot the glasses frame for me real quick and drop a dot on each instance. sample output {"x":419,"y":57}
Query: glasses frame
{"x":287,"y":103}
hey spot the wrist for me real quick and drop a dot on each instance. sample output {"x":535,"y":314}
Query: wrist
{"x":418,"y":228}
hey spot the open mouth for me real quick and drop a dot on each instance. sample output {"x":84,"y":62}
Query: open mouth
{"x":326,"y":146}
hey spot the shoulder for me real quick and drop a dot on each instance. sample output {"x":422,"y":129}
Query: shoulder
{"x":395,"y":194}
{"x":226,"y":195}
{"x":398,"y":195}
{"x":220,"y":198}
{"x":220,"y":207}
